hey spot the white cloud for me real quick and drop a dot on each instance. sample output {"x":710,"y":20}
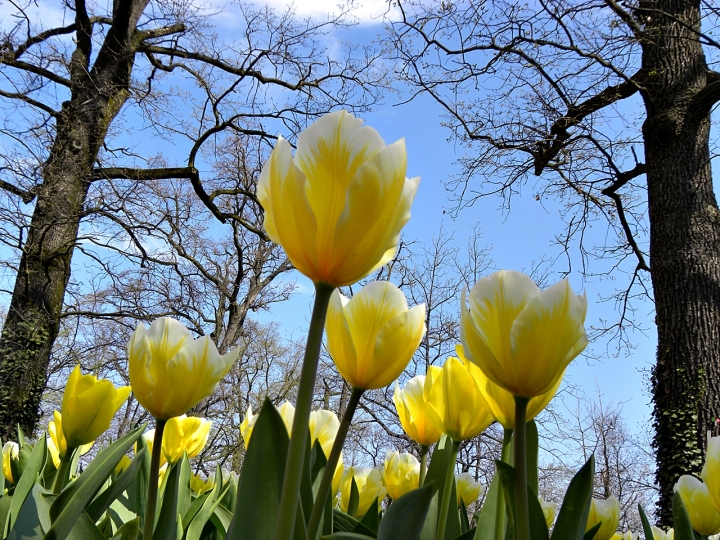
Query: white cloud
{"x":366,"y":11}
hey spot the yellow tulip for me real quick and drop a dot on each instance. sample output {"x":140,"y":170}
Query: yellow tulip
{"x":200,"y":486}
{"x":627,"y":535}
{"x":184,"y":434}
{"x":520,"y":337}
{"x":122,"y":465}
{"x":369,"y":485}
{"x":695,"y":496}
{"x":169,"y":371}
{"x":10,"y":451}
{"x":502,"y":402}
{"x":338,"y":206}
{"x":287,"y":413}
{"x":149,"y":437}
{"x":606,"y":511}
{"x":337,"y":476}
{"x":659,"y":534}
{"x":58,"y":444}
{"x":161,"y":474}
{"x":455,"y":403}
{"x":246,"y":426}
{"x":468,"y":490}
{"x":411,"y":405}
{"x":549,"y":509}
{"x":324,"y":426}
{"x":372,"y":336}
{"x":401,"y":474}
{"x":711,"y":470}
{"x":88,"y":407}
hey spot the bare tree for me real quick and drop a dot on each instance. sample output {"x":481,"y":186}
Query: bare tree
{"x":609,"y":104}
{"x":89,"y":101}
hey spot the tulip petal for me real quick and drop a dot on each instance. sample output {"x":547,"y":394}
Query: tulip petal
{"x":340,"y":345}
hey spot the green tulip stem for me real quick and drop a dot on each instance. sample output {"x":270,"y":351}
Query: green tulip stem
{"x":445,"y":502}
{"x":522,"y":515}
{"x":500,"y":507}
{"x":62,"y":475}
{"x":154,"y":474}
{"x":296,"y":451}
{"x":326,"y":482}
{"x":424,"y":449}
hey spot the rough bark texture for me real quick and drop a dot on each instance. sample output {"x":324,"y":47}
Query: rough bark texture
{"x":32,"y":322}
{"x":684,"y":240}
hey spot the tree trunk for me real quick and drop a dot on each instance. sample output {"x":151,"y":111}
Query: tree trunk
{"x":33,"y":319}
{"x":684,"y":241}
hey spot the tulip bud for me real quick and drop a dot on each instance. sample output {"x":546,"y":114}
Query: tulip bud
{"x":369,"y":484}
{"x":659,"y":534}
{"x":605,"y":511}
{"x":169,"y":371}
{"x":324,"y":426}
{"x":338,"y":206}
{"x":520,"y":337}
{"x":549,"y":511}
{"x":411,"y":405}
{"x":57,"y":444}
{"x":149,"y":437}
{"x":122,"y":465}
{"x":711,"y":469}
{"x":10,"y":451}
{"x":372,"y":336}
{"x":200,"y":486}
{"x":401,"y":474}
{"x":695,"y":496}
{"x":287,"y":413}
{"x":184,"y":434}
{"x":628,"y":535}
{"x":468,"y":490}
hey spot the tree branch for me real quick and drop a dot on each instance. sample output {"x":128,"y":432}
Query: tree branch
{"x":30,"y":101}
{"x":706,"y":98}
{"x":26,"y":196}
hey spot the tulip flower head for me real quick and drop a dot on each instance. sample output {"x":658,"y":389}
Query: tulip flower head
{"x":122,"y":465}
{"x":149,"y":437}
{"x":711,"y":470}
{"x":411,"y":405}
{"x":549,"y":509}
{"x":520,"y":337}
{"x":369,"y":484}
{"x":200,"y":486}
{"x":659,"y":534}
{"x":455,"y":403}
{"x":468,"y":490}
{"x":401,"y":474}
{"x":287,"y":413}
{"x":184,"y":434}
{"x":372,"y":336}
{"x":88,"y":407}
{"x":695,"y":496}
{"x":324,"y":426}
{"x":10,"y":451}
{"x":338,"y":206}
{"x":247,"y":425}
{"x":606,"y":511}
{"x":627,"y":535}
{"x":57,"y":442}
{"x":169,"y":371}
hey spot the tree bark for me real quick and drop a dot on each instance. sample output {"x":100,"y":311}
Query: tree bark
{"x":684,"y":241}
{"x":32,"y":322}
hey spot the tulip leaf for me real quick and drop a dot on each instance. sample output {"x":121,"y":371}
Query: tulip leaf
{"x":531,"y":452}
{"x":647,"y":529}
{"x":137,"y":492}
{"x":184,"y":494}
{"x":590,"y":533}
{"x":464,"y":521}
{"x":343,"y":522}
{"x":681,"y":520}
{"x":221,"y":518}
{"x":405,"y":517}
{"x":210,"y":505}
{"x":29,"y":522}
{"x":71,"y":503}
{"x":439,"y":466}
{"x":128,"y":531}
{"x":27,"y":481}
{"x":166,"y":524}
{"x":103,"y":501}
{"x":371,"y":519}
{"x":347,"y":536}
{"x":470,"y":534}
{"x":486,"y":521}
{"x":571,"y":521}
{"x":354,"y":498}
{"x":258,"y":499}
{"x":4,"y":510}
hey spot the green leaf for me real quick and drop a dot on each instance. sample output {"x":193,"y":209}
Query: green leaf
{"x":571,"y":521}
{"x":464,"y":521}
{"x":538,"y":525}
{"x":681,"y":521}
{"x":4,"y":510}
{"x":439,"y":464}
{"x":103,"y":501}
{"x":210,"y":505}
{"x":29,"y":519}
{"x":128,"y":531}
{"x":27,"y":481}
{"x":531,"y":453}
{"x":166,"y":525}
{"x":343,"y":522}
{"x":590,"y":533}
{"x":371,"y":519}
{"x":258,"y":498}
{"x":71,"y":503}
{"x":221,"y":518}
{"x":647,"y":529}
{"x":138,"y":490}
{"x":405,"y":517}
{"x":184,"y":493}
{"x":470,"y":534}
{"x":487,"y":517}
{"x":347,"y":536}
{"x":354,"y":498}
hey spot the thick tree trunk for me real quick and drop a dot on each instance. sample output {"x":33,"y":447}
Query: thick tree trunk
{"x":33,"y":319}
{"x":684,"y":241}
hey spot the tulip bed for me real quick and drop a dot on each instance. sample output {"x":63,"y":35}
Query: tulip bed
{"x":337,"y":207}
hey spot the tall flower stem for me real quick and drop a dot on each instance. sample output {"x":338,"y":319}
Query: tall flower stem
{"x":326,"y":482}
{"x":500,"y":505}
{"x":61,"y":476}
{"x":296,"y":451}
{"x":445,"y":501}
{"x":153,"y":486}
{"x":522,"y":516}
{"x":423,"y":463}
